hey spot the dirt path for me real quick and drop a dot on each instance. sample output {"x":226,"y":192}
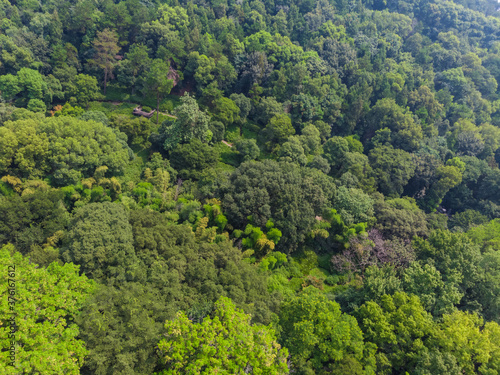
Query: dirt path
{"x":114,"y":102}
{"x":227,"y":143}
{"x":169,"y":115}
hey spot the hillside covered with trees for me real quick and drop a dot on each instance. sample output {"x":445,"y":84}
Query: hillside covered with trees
{"x":250,"y":187}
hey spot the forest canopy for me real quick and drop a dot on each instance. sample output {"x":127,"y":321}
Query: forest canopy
{"x":250,"y":187}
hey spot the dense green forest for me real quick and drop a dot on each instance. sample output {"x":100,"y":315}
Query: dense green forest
{"x":307,"y":187}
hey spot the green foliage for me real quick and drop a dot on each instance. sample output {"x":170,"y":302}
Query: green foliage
{"x":106,"y":47}
{"x":400,"y":217}
{"x":68,"y":110}
{"x":30,"y":220}
{"x":97,"y":116}
{"x":398,"y":326}
{"x":157,"y":81}
{"x":100,"y":241}
{"x":454,"y":255}
{"x":55,"y":146}
{"x":319,"y":335}
{"x":192,"y":158}
{"x":437,"y":296}
{"x":191,"y":123}
{"x":248,"y":149}
{"x":47,"y":301}
{"x":197,"y":270}
{"x":85,"y":89}
{"x":393,"y":169}
{"x":370,"y":130}
{"x":120,"y":327}
{"x":225,"y":343}
{"x":293,"y":204}
{"x":36,"y":105}
{"x":386,"y":114}
{"x":353,"y":205}
{"x":279,"y":129}
{"x":137,"y":130}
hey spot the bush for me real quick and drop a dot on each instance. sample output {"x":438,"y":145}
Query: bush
{"x":167,"y":106}
{"x":248,"y":149}
{"x":97,"y":116}
{"x":146,"y":108}
{"x":36,"y":105}
{"x":217,"y":128}
{"x":332,"y":280}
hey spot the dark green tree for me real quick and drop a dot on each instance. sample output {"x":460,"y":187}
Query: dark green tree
{"x":100,"y":241}
{"x":157,"y":82}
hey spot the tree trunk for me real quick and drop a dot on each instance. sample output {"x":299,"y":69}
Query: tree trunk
{"x":105,"y":79}
{"x":157,"y":108}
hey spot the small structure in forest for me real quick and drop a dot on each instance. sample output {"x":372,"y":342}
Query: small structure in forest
{"x":139,"y":112}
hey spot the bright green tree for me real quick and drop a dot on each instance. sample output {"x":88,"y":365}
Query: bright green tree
{"x":223,"y":344}
{"x":47,"y":301}
{"x":398,"y":326}
{"x":319,"y":335}
{"x":279,"y":129}
{"x":85,"y":89}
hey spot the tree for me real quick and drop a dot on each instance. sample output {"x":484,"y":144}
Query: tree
{"x":226,"y":111}
{"x":425,"y":281}
{"x":133,"y":67}
{"x":226,"y":344}
{"x":290,"y":195}
{"x":97,"y":116}
{"x":279,"y":129}
{"x":192,"y":158}
{"x":28,"y":83}
{"x":193,"y":273}
{"x":364,"y":252}
{"x":190,"y":123}
{"x":243,"y":103}
{"x":106,"y":49}
{"x":400,"y":218}
{"x":26,"y":149}
{"x":9,"y":86}
{"x":454,"y":255}
{"x":489,"y":288}
{"x":30,"y":220}
{"x":36,"y":105}
{"x":47,"y":301}
{"x":353,"y":205}
{"x":137,"y":130}
{"x":393,"y":169}
{"x":100,"y":241}
{"x":469,"y":340}
{"x":85,"y":89}
{"x":266,"y":109}
{"x":68,"y":159}
{"x":120,"y":327}
{"x":448,"y":176}
{"x":400,"y":327}
{"x":311,"y":139}
{"x":320,"y":336}
{"x":292,"y":151}
{"x":386,"y":114}
{"x":32,"y":83}
{"x":248,"y":149}
{"x":157,"y":81}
